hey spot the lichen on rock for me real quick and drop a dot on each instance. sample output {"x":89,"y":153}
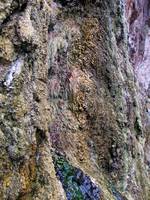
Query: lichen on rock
{"x":74,"y":100}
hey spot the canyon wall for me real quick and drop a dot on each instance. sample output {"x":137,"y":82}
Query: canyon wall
{"x":74,"y":100}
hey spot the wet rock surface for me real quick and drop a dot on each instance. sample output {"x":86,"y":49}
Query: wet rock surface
{"x":67,"y":85}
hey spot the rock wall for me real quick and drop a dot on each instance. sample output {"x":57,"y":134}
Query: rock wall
{"x":138,"y":17}
{"x":72,"y":123}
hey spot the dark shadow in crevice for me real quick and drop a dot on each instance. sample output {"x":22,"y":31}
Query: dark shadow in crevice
{"x":40,"y":136}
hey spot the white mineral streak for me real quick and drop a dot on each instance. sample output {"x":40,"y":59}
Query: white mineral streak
{"x":15,"y":70}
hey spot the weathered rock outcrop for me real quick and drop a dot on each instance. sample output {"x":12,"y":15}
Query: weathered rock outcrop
{"x":138,"y":15}
{"x":72,"y":122}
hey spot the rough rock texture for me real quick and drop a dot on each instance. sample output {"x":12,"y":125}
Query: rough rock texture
{"x":72,"y":122}
{"x":138,"y":15}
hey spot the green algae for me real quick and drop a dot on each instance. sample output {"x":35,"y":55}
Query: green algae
{"x":66,"y":173}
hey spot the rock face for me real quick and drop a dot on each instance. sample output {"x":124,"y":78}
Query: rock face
{"x":138,"y":17}
{"x":73,"y":125}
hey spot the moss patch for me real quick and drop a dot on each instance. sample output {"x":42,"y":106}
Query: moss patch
{"x":76,"y":184}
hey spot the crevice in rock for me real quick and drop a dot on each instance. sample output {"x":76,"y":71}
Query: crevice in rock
{"x":40,"y":136}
